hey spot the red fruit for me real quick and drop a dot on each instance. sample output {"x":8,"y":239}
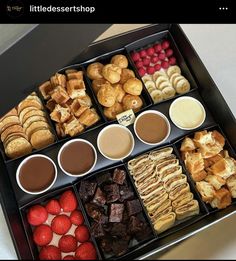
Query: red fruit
{"x":37,"y":215}
{"x":157,"y":67}
{"x":67,"y":244}
{"x":139,"y":64}
{"x":146,"y":61}
{"x":169,"y":52}
{"x":162,"y":56}
{"x":82,"y":234}
{"x":53,"y":207}
{"x":143,"y":53}
{"x":135,"y":56}
{"x":150,"y":51}
{"x":150,"y":70}
{"x":165,"y":65}
{"x":157,"y":48}
{"x":50,"y":253}
{"x":154,"y":59}
{"x":69,"y":257}
{"x":61,"y":224}
{"x":172,"y":60}
{"x":42,"y":235}
{"x":68,"y":201}
{"x":86,"y":251}
{"x":141,"y":71}
{"x":77,"y":218}
{"x":165,"y":44}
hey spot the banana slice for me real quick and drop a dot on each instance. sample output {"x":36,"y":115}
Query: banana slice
{"x":147,"y":78}
{"x":149,"y":84}
{"x":182,"y":86}
{"x":158,"y":74}
{"x":173,"y":76}
{"x":159,"y":80}
{"x":157,"y":96}
{"x":163,"y":85}
{"x":173,"y":69}
{"x":168,"y":92}
{"x":179,"y":78}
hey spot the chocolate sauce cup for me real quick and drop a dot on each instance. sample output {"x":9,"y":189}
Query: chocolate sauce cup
{"x":49,"y":185}
{"x":68,"y":143}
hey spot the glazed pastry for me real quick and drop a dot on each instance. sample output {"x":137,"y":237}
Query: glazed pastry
{"x":106,"y":95}
{"x":224,"y":167}
{"x":187,"y":145}
{"x":89,"y":117}
{"x":132,"y":102}
{"x":206,"y":190}
{"x":112,"y":73}
{"x":231,"y":184}
{"x":182,"y":200}
{"x":96,"y":84}
{"x":120,"y":60}
{"x":94,"y":71}
{"x":165,"y":222}
{"x":222,"y":199}
{"x":194,"y":162}
{"x":126,"y":74}
{"x":216,"y":181}
{"x":133,"y":86}
{"x":119,"y":92}
{"x":212,"y":160}
{"x":198,"y":176}
{"x":189,"y":209}
{"x":112,"y":111}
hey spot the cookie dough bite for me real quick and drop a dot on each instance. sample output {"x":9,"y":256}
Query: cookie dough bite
{"x":120,"y":60}
{"x":94,"y":71}
{"x":133,"y":102}
{"x":106,"y":95}
{"x":119,"y":92}
{"x":112,"y":111}
{"x":133,"y":86}
{"x":126,"y":74}
{"x":96,"y":84}
{"x":112,"y":73}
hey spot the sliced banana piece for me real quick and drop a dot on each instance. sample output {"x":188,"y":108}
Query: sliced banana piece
{"x":159,"y":80}
{"x":173,"y":76}
{"x":163,"y":85}
{"x":151,"y":89}
{"x":173,"y":69}
{"x":158,"y":74}
{"x":146,"y":78}
{"x":157,"y":96}
{"x":168,"y":92}
{"x":179,"y":78}
{"x":182,"y":86}
{"x":149,"y":84}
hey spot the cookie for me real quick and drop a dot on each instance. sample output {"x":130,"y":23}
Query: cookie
{"x":18,"y":147}
{"x":12,"y":129}
{"x":33,"y":113}
{"x":32,"y":119}
{"x":8,"y":121}
{"x":35,"y":125}
{"x":41,"y":139}
{"x":24,"y":111}
{"x":29,"y":103}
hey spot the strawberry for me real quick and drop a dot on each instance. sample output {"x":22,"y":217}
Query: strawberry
{"x":69,"y":257}
{"x":76,"y":217}
{"x":50,"y":253}
{"x":67,"y":243}
{"x":68,"y":201}
{"x":53,"y":207}
{"x":37,"y":215}
{"x":82,"y":234}
{"x":61,"y":224}
{"x":86,"y":251}
{"x":42,"y":235}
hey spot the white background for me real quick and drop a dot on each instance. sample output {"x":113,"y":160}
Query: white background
{"x":216,"y":46}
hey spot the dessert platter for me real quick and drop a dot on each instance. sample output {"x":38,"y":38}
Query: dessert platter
{"x":86,"y":186}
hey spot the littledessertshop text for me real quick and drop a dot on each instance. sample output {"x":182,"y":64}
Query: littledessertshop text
{"x":62,"y":9}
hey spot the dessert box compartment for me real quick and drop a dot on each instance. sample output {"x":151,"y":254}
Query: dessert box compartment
{"x":202,"y":88}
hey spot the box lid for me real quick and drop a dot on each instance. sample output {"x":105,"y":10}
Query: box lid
{"x":38,"y":55}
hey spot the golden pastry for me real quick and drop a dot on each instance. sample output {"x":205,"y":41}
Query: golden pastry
{"x":96,"y":84}
{"x":112,"y":111}
{"x":222,"y":199}
{"x":120,"y":60}
{"x":133,"y":86}
{"x":94,"y":71}
{"x":112,"y":73}
{"x":132,"y":102}
{"x":106,"y":95}
{"x":119,"y":92}
{"x":126,"y":74}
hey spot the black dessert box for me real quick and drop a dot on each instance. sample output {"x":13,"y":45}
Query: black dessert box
{"x":108,"y":196}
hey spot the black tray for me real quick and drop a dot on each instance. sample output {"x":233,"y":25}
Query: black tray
{"x":14,"y":200}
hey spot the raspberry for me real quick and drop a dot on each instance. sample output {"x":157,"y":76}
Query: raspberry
{"x":165,"y":65}
{"x":146,"y":61}
{"x":162,"y":56}
{"x":143,"y":53}
{"x":150,"y":51}
{"x":141,"y":71}
{"x":154,"y":59}
{"x":150,"y":70}
{"x":135,"y":56}
{"x":165,"y":44}
{"x":172,"y":60}
{"x":157,"y":67}
{"x":169,"y":52}
{"x":157,"y":48}
{"x":139,"y":64}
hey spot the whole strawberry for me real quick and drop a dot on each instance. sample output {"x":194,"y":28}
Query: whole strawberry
{"x":82,"y":234}
{"x":61,"y":224}
{"x":76,"y":217}
{"x":50,"y":253}
{"x":67,"y":243}
{"x":86,"y":251}
{"x":42,"y":235}
{"x":68,"y":201}
{"x":69,"y":257}
{"x":53,"y":207}
{"x":37,"y":215}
